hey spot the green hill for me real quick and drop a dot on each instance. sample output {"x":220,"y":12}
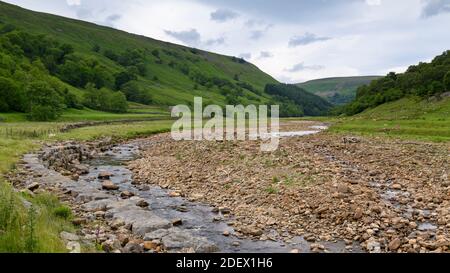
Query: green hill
{"x":68,"y":54}
{"x":424,"y":80}
{"x":338,"y":91}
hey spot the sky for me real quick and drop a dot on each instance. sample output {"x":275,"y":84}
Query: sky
{"x":292,"y":40}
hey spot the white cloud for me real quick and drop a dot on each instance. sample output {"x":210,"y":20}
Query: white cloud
{"x":73,"y":2}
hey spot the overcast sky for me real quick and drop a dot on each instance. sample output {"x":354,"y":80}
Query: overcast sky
{"x":293,"y":40}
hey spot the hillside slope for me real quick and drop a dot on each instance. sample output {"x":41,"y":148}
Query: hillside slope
{"x":171,"y":73}
{"x":409,"y":118}
{"x":424,"y":80}
{"x":339,"y":90}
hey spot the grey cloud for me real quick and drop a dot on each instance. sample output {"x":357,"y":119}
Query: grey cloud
{"x":83,"y":13}
{"x":223,"y":15}
{"x":218,"y":41}
{"x":246,"y":56}
{"x":302,"y":67}
{"x":256,"y":35}
{"x":265,"y":54}
{"x":435,"y":7}
{"x":189,"y":37}
{"x":307,"y":38}
{"x":110,"y":20}
{"x":253,"y":23}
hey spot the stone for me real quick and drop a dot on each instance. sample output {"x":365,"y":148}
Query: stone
{"x":150,"y":245}
{"x":177,"y":222}
{"x":117,"y":223}
{"x":123,"y":239}
{"x":295,"y":251}
{"x":142,"y":221}
{"x":174,"y":194}
{"x":68,"y":237}
{"x":226,"y":233}
{"x":395,"y":244}
{"x":224,"y":210}
{"x":104,"y":175}
{"x":358,"y":214}
{"x":126,"y":194}
{"x":236,"y":244}
{"x":33,"y":187}
{"x":109,"y":186}
{"x":342,"y":188}
{"x":133,"y":247}
{"x":110,"y":245}
{"x":99,"y":214}
{"x":182,"y":240}
{"x":73,"y":247}
{"x":142,"y":204}
{"x":396,"y":187}
{"x":79,"y":221}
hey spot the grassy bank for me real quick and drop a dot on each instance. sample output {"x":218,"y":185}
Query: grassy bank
{"x":33,"y":223}
{"x":407,"y":118}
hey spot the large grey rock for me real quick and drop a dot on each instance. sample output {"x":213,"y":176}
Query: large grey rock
{"x":142,"y":221}
{"x":176,"y":239}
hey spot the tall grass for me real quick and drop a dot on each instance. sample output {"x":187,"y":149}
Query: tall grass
{"x":31,"y":228}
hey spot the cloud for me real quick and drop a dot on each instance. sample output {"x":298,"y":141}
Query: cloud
{"x":190,"y":37}
{"x":246,"y":56}
{"x":306,"y":39}
{"x":301,"y":67}
{"x":373,"y":2}
{"x":256,"y":34}
{"x":73,"y":2}
{"x":111,"y":19}
{"x":223,"y":15}
{"x":265,"y":55}
{"x":435,"y":7}
{"x":218,"y":41}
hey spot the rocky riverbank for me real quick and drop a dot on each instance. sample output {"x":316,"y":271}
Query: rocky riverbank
{"x":315,"y":193}
{"x":387,"y":195}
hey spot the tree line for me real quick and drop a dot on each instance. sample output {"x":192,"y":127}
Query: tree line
{"x":38,"y":76}
{"x":423,"y":80}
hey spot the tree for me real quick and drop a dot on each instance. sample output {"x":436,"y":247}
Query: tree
{"x":124,"y":77}
{"x":134,"y":93}
{"x":447,"y":81}
{"x":45,"y":102}
{"x":8,"y":90}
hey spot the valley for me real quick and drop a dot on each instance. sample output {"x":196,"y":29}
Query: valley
{"x":88,"y":163}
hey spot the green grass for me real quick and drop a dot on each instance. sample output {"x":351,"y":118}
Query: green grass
{"x":35,"y":229}
{"x":50,"y":217}
{"x":407,"y":118}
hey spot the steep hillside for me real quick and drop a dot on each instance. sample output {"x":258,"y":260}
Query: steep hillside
{"x":298,"y":102}
{"x":79,"y":59}
{"x":338,"y":91}
{"x":424,"y":80}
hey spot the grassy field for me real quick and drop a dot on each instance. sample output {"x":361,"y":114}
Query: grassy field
{"x":408,"y":118}
{"x":37,"y":228}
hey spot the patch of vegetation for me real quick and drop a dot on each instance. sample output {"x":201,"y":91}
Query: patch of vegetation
{"x":424,"y":80}
{"x":29,"y":227}
{"x":298,"y":102}
{"x":409,"y":118}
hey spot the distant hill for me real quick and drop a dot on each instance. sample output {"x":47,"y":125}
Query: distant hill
{"x":338,"y":91}
{"x":298,"y":102}
{"x":425,"y":80}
